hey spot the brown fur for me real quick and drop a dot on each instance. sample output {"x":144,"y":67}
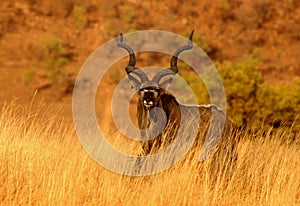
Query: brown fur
{"x":172,"y":109}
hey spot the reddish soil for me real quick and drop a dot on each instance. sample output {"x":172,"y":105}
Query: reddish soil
{"x":231,"y":28}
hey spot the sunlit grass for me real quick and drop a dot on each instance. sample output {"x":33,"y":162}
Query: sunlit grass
{"x":43,"y":163}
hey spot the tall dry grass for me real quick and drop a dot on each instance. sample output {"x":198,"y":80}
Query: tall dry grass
{"x":43,"y":163}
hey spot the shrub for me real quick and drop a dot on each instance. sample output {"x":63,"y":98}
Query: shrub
{"x":79,"y":14}
{"x":127,"y":13}
{"x":29,"y":74}
{"x":195,"y":82}
{"x":53,"y":45}
{"x":280,"y":102}
{"x":55,"y":59}
{"x":251,"y":100}
{"x":242,"y":81}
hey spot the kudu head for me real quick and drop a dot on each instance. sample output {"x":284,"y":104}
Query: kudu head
{"x":150,"y":91}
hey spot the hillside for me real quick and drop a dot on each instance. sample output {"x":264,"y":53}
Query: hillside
{"x":229,"y":29}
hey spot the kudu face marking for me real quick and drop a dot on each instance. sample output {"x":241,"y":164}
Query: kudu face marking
{"x":149,"y":96}
{"x":150,"y":90}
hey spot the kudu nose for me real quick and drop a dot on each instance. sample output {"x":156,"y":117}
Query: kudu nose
{"x":148,"y":103}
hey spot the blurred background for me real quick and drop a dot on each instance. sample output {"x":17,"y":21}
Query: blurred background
{"x":255,"y":45}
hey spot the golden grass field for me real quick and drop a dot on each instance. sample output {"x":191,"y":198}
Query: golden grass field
{"x":43,"y":163}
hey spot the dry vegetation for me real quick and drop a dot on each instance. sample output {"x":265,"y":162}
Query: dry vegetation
{"x":43,"y":163}
{"x":44,"y":44}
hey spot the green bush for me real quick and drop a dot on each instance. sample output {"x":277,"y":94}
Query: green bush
{"x":250,"y":100}
{"x":242,"y":82}
{"x":127,"y":13}
{"x":28,"y":75}
{"x":55,"y":59}
{"x":53,"y":44}
{"x":79,"y":13}
{"x":280,"y":102}
{"x":195,"y":82}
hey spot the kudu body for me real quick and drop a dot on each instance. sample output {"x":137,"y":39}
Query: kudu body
{"x":161,"y":129}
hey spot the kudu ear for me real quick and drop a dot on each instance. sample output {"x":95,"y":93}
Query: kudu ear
{"x":165,"y":84}
{"x":135,"y":84}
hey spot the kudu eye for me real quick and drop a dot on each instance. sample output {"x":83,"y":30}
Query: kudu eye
{"x":155,"y":93}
